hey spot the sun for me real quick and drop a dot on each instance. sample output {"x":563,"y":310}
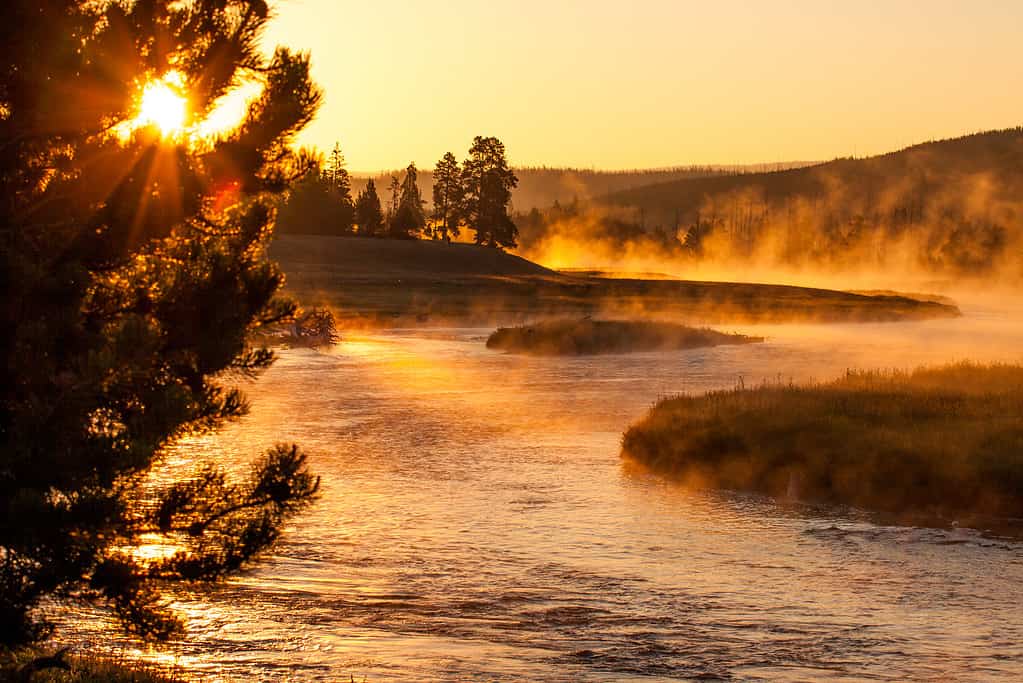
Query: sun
{"x":164,"y":106}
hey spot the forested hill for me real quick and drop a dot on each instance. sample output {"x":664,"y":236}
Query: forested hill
{"x":953,"y":205}
{"x":540,"y":187}
{"x":864,"y":185}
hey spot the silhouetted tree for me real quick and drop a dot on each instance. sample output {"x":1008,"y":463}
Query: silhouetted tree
{"x":337,"y":176}
{"x":488,"y":183}
{"x":409,"y":219}
{"x":316,"y":206}
{"x":448,"y":197}
{"x":368,"y":213}
{"x":392,"y":206}
{"x":133,"y":271}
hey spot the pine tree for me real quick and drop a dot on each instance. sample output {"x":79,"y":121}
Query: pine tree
{"x":488,"y":182}
{"x":368,"y":212}
{"x":448,"y":197}
{"x":315,"y":206}
{"x":134,"y":270}
{"x":338,"y":177}
{"x":409,"y":219}
{"x":395,"y":189}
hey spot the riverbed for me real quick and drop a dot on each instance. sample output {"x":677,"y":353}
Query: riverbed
{"x":477,"y":523}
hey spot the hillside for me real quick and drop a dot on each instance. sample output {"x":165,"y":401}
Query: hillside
{"x":952,"y":208}
{"x":389,"y":282}
{"x":379,"y":258}
{"x":540,"y":187}
{"x":919,"y":167}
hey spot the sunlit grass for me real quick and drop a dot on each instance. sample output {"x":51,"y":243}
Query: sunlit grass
{"x":945,"y":440}
{"x":14,"y":666}
{"x":586,"y":336}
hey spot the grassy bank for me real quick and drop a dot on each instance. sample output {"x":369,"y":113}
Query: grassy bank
{"x":378,"y":282}
{"x":22,"y":666}
{"x":587,"y":336}
{"x":945,"y":440}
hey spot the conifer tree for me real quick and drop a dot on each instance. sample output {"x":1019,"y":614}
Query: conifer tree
{"x":395,"y":189}
{"x":134,"y":269}
{"x":338,"y":177}
{"x":448,"y":197}
{"x":488,"y":182}
{"x":409,"y":219}
{"x":368,"y":212}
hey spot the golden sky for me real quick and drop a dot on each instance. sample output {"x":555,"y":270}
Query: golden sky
{"x":648,"y":83}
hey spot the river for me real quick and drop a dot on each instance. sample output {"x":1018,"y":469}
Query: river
{"x":478,"y":524}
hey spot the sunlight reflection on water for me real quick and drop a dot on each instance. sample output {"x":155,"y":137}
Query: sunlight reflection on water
{"x":477,"y":523}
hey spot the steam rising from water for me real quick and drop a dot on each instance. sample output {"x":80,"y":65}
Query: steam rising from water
{"x":477,"y":523}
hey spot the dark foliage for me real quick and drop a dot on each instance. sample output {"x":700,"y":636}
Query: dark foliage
{"x":321,"y":203}
{"x":409,"y":219}
{"x":448,"y":198}
{"x":488,"y":183}
{"x":134,"y":270}
{"x":368,"y":213}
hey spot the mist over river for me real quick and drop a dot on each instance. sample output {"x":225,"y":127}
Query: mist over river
{"x":478,"y":524}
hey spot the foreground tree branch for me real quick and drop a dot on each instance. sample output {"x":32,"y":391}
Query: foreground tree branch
{"x":135,"y":274}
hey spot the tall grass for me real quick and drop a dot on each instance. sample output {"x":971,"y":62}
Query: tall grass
{"x":15,"y":666}
{"x":943,"y":440}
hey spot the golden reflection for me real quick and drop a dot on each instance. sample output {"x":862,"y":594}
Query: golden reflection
{"x":154,"y":547}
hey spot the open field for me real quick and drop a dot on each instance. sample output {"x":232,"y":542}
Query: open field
{"x":389,"y":282}
{"x":945,"y":440}
{"x":587,"y":337}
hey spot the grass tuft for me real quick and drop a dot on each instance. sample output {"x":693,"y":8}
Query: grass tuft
{"x":17,"y":667}
{"x":586,"y":337}
{"x":943,"y":440}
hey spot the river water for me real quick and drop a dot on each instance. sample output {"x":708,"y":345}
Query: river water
{"x":478,"y":524}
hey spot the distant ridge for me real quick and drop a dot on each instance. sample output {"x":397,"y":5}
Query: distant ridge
{"x":998,"y":152}
{"x":541,"y":186}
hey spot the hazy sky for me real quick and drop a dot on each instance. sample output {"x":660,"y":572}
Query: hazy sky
{"x":642,"y":83}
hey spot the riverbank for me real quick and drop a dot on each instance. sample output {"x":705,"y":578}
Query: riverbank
{"x":24,"y":665}
{"x":944,"y":441}
{"x":589,"y":337}
{"x":397,"y":283}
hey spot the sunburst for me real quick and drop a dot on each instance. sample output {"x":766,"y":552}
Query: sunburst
{"x":164,"y":106}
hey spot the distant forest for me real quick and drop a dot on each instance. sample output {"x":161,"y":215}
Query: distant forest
{"x":540,"y":187}
{"x":952,"y":206}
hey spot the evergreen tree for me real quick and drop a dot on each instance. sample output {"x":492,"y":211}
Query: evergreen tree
{"x":314,"y":206}
{"x":488,"y":183}
{"x":392,"y":207}
{"x":448,"y":197}
{"x":409,"y":219}
{"x":133,"y":270}
{"x":337,"y":176}
{"x":368,"y":213}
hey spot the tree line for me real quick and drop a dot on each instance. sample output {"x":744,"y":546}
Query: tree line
{"x":474,"y":195}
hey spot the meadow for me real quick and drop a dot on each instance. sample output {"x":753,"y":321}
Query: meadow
{"x":394,"y":283}
{"x":944,"y":441}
